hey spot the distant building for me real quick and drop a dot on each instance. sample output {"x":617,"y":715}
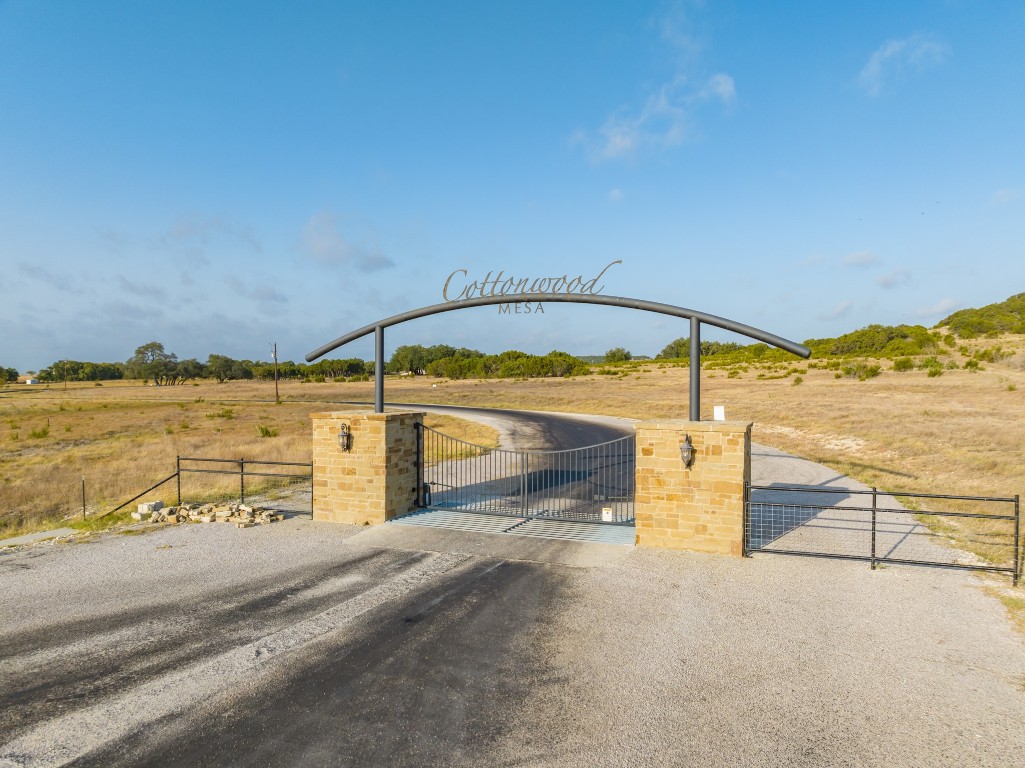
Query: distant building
{"x":28,"y":380}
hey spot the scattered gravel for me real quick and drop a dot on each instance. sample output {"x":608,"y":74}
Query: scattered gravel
{"x":665,"y":659}
{"x":642,"y":657}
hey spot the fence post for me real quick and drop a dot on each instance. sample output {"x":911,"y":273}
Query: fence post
{"x":242,"y":480}
{"x":873,"y":528}
{"x":178,"y":472}
{"x":523,"y":485}
{"x":744,"y":551}
{"x":1017,"y":544}
{"x":419,"y":464}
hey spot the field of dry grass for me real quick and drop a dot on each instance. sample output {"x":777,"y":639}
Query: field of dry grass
{"x":959,"y":433}
{"x":123,"y":437}
{"x":962,"y":432}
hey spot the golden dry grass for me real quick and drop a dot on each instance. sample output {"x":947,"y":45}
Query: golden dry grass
{"x":122,"y":438}
{"x":960,"y":433}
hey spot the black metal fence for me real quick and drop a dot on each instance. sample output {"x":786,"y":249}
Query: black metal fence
{"x":875,"y":527}
{"x":593,"y":484}
{"x":278,"y":485}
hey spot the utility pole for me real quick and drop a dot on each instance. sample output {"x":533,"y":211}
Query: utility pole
{"x":274,"y":354}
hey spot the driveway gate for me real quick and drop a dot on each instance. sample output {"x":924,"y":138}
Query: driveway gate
{"x":593,"y":484}
{"x":981,"y":534}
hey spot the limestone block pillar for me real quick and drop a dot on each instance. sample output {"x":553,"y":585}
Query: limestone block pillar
{"x":375,"y":480}
{"x":701,"y":508}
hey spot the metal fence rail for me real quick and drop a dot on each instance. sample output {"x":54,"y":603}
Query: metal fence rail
{"x":286,"y":484}
{"x":875,"y":527}
{"x":593,"y":484}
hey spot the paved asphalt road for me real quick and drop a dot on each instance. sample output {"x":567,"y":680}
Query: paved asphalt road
{"x":309,"y":644}
{"x":534,"y":430}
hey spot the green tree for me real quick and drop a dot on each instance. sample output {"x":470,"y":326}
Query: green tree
{"x":617,"y":355}
{"x":191,"y":369}
{"x":150,"y":361}
{"x":675,"y":350}
{"x":224,"y":368}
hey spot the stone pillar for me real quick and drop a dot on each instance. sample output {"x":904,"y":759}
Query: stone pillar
{"x":699,"y":509}
{"x":376,"y":479}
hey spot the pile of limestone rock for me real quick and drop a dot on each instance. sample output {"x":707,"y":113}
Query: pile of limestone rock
{"x":242,"y":515}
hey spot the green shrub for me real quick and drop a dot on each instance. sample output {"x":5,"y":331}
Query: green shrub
{"x":902,"y":364}
{"x":797,"y":380}
{"x":934,"y":371}
{"x":39,"y":434}
{"x":266,"y":431}
{"x":861,"y":371}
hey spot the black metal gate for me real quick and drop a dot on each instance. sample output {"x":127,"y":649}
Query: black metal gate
{"x":593,"y":484}
{"x":979,"y":533}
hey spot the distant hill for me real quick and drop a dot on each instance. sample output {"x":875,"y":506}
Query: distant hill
{"x":1006,"y":317}
{"x":876,"y":341}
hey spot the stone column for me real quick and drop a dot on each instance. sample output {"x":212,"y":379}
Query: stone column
{"x":375,"y":480}
{"x":699,"y":509}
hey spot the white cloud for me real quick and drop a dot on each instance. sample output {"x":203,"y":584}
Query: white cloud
{"x":662,"y":122}
{"x":1006,"y":196}
{"x":721,"y":87}
{"x":191,"y":234}
{"x":615,"y":194}
{"x":859,"y":259}
{"x":322,"y":241}
{"x":894,"y":58}
{"x":143,"y":290}
{"x":262,"y":292}
{"x":44,"y":276}
{"x":840,"y":310}
{"x":665,"y":118}
{"x":894,"y":279}
{"x":676,"y":28}
{"x":941,"y":307}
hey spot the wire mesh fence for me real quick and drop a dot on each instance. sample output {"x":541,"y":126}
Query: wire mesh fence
{"x":969,"y":532}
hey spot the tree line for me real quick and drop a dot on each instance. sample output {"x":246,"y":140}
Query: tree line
{"x":151,"y":362}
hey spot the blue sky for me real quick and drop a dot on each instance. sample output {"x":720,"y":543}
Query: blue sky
{"x":220,"y":176}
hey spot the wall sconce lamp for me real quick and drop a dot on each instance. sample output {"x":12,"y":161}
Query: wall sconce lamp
{"x":344,"y":438}
{"x":687,"y":452}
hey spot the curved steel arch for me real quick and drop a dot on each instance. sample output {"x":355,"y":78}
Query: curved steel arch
{"x":696,"y":319}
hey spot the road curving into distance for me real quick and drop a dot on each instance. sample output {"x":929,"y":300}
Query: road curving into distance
{"x":532,"y":430}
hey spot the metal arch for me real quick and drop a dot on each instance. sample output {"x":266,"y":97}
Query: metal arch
{"x":696,"y":318}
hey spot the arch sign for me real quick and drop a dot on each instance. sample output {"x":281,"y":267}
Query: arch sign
{"x":502,"y":290}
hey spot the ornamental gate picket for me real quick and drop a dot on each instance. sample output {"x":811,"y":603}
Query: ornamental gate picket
{"x":593,"y":484}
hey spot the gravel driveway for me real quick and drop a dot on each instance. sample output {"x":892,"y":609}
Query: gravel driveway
{"x":317,"y":644}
